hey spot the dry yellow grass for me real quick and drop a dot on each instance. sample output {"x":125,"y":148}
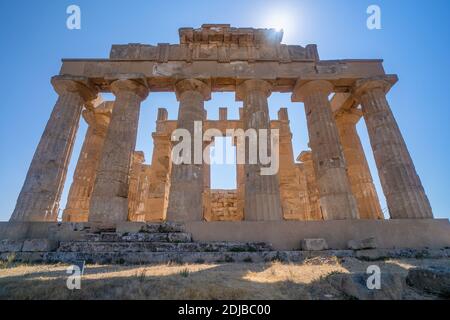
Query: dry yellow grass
{"x":275,"y":280}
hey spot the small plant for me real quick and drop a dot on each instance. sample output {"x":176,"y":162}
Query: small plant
{"x":185,"y":273}
{"x":248,"y":260}
{"x":4,"y":264}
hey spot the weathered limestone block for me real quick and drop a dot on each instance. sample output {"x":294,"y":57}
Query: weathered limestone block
{"x":336,"y":199}
{"x":262,"y":192}
{"x":314,"y":245}
{"x":11,"y":245}
{"x":224,"y":206}
{"x":77,"y":207}
{"x":364,"y":244}
{"x":40,"y":195}
{"x":109,"y":201}
{"x":187,"y":181}
{"x":39,"y":245}
{"x":358,"y":170}
{"x":434,"y":280}
{"x":402,"y":187}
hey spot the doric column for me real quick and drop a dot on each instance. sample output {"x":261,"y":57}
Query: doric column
{"x":293,"y":208}
{"x":314,"y":212}
{"x":77,"y":208}
{"x":336,"y":198}
{"x":136,"y":194}
{"x":262,"y":192}
{"x":41,"y":193}
{"x":358,"y":170}
{"x":186,"y":190}
{"x":406,"y":198}
{"x":109,"y":201}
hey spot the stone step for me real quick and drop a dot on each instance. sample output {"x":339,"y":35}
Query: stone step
{"x":164,"y":227}
{"x":96,"y":247}
{"x":132,"y":258}
{"x":138,"y":237}
{"x":212,"y":257}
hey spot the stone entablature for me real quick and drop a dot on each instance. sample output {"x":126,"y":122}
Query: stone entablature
{"x":219,"y":43}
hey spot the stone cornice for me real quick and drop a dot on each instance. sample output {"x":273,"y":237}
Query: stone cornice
{"x":213,"y":52}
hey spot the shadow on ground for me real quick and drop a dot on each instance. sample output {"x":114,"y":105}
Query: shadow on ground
{"x":334,"y":279}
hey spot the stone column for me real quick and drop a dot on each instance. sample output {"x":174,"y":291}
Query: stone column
{"x":262,"y":192}
{"x":77,"y":208}
{"x":336,"y":198}
{"x":41,"y":193}
{"x":314,"y":212}
{"x":136,"y":194}
{"x":293,"y":208}
{"x":406,"y":198}
{"x":109,"y":201}
{"x":357,"y":167}
{"x":186,"y":190}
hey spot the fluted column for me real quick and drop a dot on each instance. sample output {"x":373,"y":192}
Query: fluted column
{"x":293,"y":207}
{"x":314,"y":212}
{"x":41,"y":193}
{"x":358,"y":170}
{"x":77,"y":207}
{"x":187,"y":181}
{"x":262,"y":192}
{"x":109,"y":201}
{"x":336,"y":198}
{"x":406,"y":198}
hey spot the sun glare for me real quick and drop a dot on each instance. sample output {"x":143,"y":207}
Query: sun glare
{"x":281,"y":20}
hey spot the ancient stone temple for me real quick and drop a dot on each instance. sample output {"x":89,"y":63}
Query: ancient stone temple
{"x":327,"y":193}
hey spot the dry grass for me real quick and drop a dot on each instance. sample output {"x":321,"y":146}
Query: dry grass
{"x":275,"y":280}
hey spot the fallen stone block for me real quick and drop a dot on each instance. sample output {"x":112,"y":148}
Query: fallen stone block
{"x":434,"y":280}
{"x":355,"y":285}
{"x":11,"y":245}
{"x":39,"y":245}
{"x":365,"y":244}
{"x":314,"y":245}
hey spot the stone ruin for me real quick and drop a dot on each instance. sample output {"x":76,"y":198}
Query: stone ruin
{"x":328,"y":193}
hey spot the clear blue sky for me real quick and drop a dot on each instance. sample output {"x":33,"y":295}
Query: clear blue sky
{"x":414,"y":41}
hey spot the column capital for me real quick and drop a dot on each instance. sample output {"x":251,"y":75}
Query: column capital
{"x":363,"y":86}
{"x":136,"y":85}
{"x":81,"y":85}
{"x":302,"y":89}
{"x":252,"y":85}
{"x":193,"y":85}
{"x":99,"y":117}
{"x":305,"y":156}
{"x":349,"y":116}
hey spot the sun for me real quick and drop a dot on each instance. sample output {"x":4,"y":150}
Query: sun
{"x":280,"y":20}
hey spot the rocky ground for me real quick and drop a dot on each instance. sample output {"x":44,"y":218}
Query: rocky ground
{"x":326,"y":278}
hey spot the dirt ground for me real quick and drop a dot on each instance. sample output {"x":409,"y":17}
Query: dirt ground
{"x":276,"y":280}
